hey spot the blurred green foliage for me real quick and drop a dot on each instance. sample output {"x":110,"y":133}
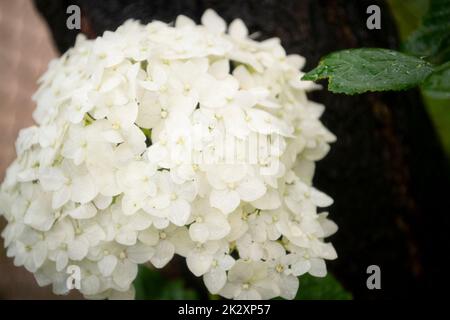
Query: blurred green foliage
{"x":408,"y":15}
{"x":328,"y":288}
{"x":150,"y":284}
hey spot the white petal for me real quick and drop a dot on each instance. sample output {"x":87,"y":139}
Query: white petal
{"x":123,"y":295}
{"x":158,"y":202}
{"x":78,"y":249}
{"x":40,"y":214}
{"x":85,"y":211}
{"x":163,"y":254}
{"x":125,"y":273}
{"x":301,"y":267}
{"x":39,"y":254}
{"x":251,"y":189}
{"x":199,"y":232}
{"x":269,"y":201}
{"x":224,"y":200}
{"x":140,"y":221}
{"x":61,"y":260}
{"x":238,"y":30}
{"x":112,"y":136}
{"x":102,"y":202}
{"x":234,"y":118}
{"x":148,"y":116}
{"x":90,"y":285}
{"x":320,"y":199}
{"x":226,"y":262}
{"x":131,"y":204}
{"x":149,"y":236}
{"x":199,"y":264}
{"x":187,"y":191}
{"x":220,"y":69}
{"x":179,"y":213}
{"x":244,"y":99}
{"x":215,"y":280}
{"x":183,"y":21}
{"x":126,"y":237}
{"x":230,"y":290}
{"x":213,"y":22}
{"x":126,"y":115}
{"x":83,"y":189}
{"x":250,"y":294}
{"x":182,"y":242}
{"x":288,"y":287}
{"x":94,"y":234}
{"x":240,"y":272}
{"x":107,"y":265}
{"x":61,"y":197}
{"x":218,"y":226}
{"x":140,"y":253}
{"x":318,"y":268}
{"x":51,"y":179}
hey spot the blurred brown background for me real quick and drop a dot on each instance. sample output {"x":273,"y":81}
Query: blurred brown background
{"x":25,"y":51}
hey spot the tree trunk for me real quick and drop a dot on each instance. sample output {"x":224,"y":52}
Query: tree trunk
{"x":387,"y":171}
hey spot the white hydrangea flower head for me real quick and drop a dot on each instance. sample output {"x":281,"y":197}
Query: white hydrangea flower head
{"x":165,"y":139}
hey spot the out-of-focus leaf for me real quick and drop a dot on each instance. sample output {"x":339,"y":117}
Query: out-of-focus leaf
{"x":328,"y":288}
{"x":360,"y":70}
{"x":408,"y":14}
{"x":432,"y":39}
{"x":151,"y":285}
{"x":437,"y":85}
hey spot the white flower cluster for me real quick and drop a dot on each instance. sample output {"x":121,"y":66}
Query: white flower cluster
{"x":166,"y":139}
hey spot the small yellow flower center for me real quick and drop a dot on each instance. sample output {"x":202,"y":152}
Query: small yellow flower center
{"x":180,"y":141}
{"x":231,"y":186}
{"x":279,"y":268}
{"x":199,"y":219}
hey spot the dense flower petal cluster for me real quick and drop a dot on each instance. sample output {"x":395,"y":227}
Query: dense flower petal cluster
{"x":165,"y":139}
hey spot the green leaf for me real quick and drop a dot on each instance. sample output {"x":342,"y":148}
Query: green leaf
{"x":360,"y":70}
{"x":328,"y":288}
{"x":151,"y":285}
{"x":437,"y":85}
{"x":432,"y":39}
